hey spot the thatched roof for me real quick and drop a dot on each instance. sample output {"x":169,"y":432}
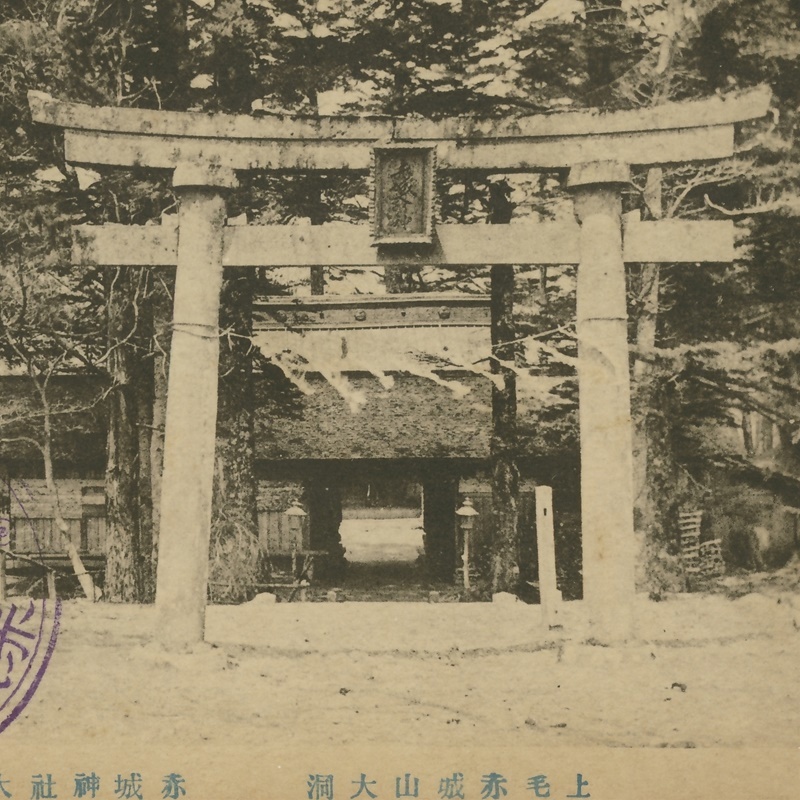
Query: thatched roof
{"x":387,"y":393}
{"x":414,"y":418}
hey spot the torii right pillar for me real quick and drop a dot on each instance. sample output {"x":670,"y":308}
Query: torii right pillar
{"x":609,"y":543}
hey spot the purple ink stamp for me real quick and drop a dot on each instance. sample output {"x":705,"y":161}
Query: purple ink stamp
{"x":28,"y":633}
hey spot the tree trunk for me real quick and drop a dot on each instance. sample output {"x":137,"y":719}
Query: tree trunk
{"x":171,"y":61}
{"x":84,"y":578}
{"x":127,"y":563}
{"x":5,"y":526}
{"x":765,"y":436}
{"x":5,"y":504}
{"x":645,"y":349}
{"x":161,"y":304}
{"x":235,"y":553}
{"x":748,"y":441}
{"x":318,"y":216}
{"x":604,"y":19}
{"x":317,"y":280}
{"x":505,"y":473}
{"x":657,"y":484}
{"x":393,"y":278}
{"x":143,"y":398}
{"x":172,"y":69}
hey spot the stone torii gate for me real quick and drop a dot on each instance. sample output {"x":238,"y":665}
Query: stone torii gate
{"x":204,"y":151}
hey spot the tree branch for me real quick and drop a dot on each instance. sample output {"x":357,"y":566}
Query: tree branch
{"x":792,"y":204}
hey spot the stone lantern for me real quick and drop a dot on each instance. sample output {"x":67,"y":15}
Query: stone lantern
{"x":466,"y":518}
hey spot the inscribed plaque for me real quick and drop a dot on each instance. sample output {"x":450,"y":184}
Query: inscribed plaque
{"x":403,"y":183}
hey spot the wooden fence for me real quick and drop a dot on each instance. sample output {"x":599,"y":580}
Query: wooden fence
{"x":31,"y":511}
{"x":32,"y":516}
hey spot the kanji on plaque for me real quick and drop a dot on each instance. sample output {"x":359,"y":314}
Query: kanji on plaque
{"x":403,"y":201}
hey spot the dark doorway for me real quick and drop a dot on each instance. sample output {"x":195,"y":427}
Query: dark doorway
{"x":393,"y":528}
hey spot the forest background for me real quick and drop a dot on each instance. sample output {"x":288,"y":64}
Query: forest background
{"x":715,"y":351}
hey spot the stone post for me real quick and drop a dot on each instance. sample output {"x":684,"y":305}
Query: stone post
{"x":191,"y":415}
{"x":549,"y":595}
{"x":609,"y":545}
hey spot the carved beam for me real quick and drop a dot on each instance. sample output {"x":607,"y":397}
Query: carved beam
{"x":332,"y":312}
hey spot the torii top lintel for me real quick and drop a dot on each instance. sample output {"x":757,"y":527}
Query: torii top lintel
{"x":673,"y":132}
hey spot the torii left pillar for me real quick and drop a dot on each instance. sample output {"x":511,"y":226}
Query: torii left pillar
{"x":191,"y":417}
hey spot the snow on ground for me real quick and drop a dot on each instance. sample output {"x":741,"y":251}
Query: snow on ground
{"x":705,"y":670}
{"x":382,"y":539}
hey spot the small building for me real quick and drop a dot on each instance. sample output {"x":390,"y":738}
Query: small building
{"x":354,"y":422}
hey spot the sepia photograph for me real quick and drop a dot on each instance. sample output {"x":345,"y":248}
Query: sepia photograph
{"x":399,"y":399}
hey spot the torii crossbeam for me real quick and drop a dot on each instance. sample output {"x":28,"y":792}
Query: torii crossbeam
{"x":205,"y":150}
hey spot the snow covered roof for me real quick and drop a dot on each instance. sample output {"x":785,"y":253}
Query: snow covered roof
{"x":424,"y":352}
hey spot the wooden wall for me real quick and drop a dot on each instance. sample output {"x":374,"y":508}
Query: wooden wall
{"x":33,"y":515}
